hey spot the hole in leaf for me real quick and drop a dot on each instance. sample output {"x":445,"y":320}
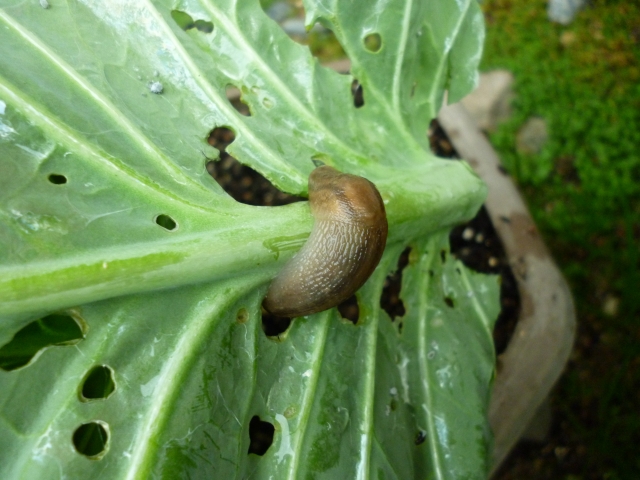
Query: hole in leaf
{"x":260,"y":436}
{"x":319,"y":159}
{"x":357,"y":93}
{"x":449,"y":302}
{"x":439,"y":142}
{"x":234,"y":95}
{"x":279,"y":11}
{"x":390,"y":299}
{"x":245,"y":185}
{"x":349,"y":309}
{"x":373,"y":42}
{"x":290,"y":16}
{"x":242,"y":183}
{"x":166,"y":222}
{"x":52,"y":330}
{"x":183,"y":19}
{"x":203,"y":26}
{"x":221,"y":138}
{"x":98,"y":383}
{"x":323,"y":44}
{"x":186,"y":22}
{"x":90,"y":439}
{"x":421,"y":436}
{"x":273,"y":326}
{"x":488,"y":256}
{"x":242,"y":316}
{"x":57,"y":179}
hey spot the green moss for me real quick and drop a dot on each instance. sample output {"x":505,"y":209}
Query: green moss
{"x":583,"y":188}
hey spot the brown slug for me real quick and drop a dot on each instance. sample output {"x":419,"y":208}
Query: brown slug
{"x":347,"y":240}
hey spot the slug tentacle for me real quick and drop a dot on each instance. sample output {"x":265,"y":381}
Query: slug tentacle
{"x":343,"y":250}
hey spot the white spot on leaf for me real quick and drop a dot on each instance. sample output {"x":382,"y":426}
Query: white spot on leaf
{"x":148,"y":388}
{"x":285,"y":438}
{"x":156,"y":87}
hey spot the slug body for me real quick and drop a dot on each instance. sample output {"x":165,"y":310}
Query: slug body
{"x":347,"y":240}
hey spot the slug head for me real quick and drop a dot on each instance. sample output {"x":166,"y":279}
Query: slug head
{"x":347,"y":198}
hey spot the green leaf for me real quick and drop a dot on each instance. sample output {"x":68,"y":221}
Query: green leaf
{"x":108,"y":216}
{"x":448,"y":358}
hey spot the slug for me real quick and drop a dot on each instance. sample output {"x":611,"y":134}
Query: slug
{"x":347,"y":240}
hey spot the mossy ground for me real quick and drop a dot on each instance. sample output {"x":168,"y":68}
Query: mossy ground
{"x":584,"y":192}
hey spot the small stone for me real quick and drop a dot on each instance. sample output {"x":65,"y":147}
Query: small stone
{"x":493,"y":262}
{"x":532,"y":136}
{"x":490,"y":103}
{"x":567,"y":38}
{"x":563,"y":11}
{"x":611,"y":305}
{"x":560,"y":452}
{"x":467,"y":233}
